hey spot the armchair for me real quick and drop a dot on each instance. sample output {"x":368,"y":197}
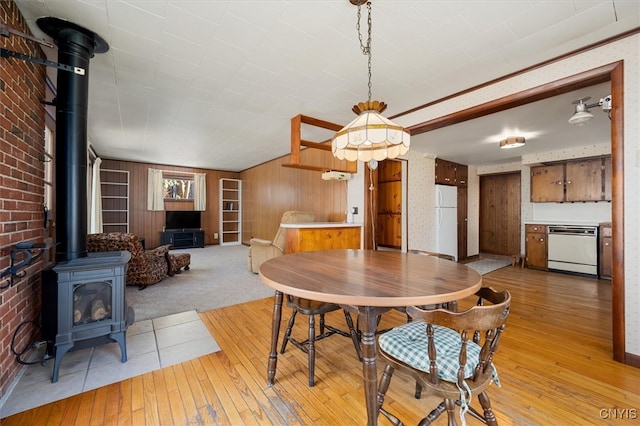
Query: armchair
{"x":262,"y":250}
{"x":145,"y":267}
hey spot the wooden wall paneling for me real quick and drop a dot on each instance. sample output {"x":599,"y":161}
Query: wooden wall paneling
{"x":270,"y":189}
{"x":149,"y":224}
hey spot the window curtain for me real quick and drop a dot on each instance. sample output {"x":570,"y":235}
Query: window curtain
{"x":95,"y":218}
{"x":200,"y":191}
{"x":155,"y":195}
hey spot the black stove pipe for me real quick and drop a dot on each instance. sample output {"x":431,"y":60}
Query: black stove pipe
{"x":76,"y":46}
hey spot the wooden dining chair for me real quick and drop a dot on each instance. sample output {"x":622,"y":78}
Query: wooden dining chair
{"x":313,"y":308}
{"x":435,"y":349}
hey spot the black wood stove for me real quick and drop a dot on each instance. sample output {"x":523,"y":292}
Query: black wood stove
{"x":83,"y":297}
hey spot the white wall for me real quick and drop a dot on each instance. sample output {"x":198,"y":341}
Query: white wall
{"x":421,"y":170}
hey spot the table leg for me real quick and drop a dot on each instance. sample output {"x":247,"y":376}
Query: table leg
{"x":370,"y":323}
{"x":275,"y":332}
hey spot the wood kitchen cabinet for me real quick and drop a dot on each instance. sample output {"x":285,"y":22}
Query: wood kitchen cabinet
{"x":606,"y":178}
{"x":536,"y":246}
{"x":572,"y":181}
{"x":605,"y":262}
{"x":462,"y":175}
{"x":445,"y":172}
{"x":547,"y":183}
{"x":450,"y":173}
{"x":301,"y":237}
{"x":583,"y":180}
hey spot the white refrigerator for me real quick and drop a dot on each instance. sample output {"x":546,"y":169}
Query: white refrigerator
{"x":447,"y":220}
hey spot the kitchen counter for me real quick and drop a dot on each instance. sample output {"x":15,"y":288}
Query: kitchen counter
{"x":560,"y":223}
{"x":321,"y":236}
{"x":321,"y":225}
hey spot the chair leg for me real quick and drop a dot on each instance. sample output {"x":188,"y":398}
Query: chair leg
{"x":312,"y":347}
{"x":450,"y":406}
{"x":433,"y":415}
{"x":418,"y":393}
{"x":489,"y":416}
{"x":385,"y":380}
{"x":321,"y":324}
{"x":354,"y":334}
{"x":287,"y":334}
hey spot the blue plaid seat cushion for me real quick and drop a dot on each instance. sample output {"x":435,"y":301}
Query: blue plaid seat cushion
{"x":408,"y":343}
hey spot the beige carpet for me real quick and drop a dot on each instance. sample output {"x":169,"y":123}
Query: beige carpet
{"x":218,"y":277}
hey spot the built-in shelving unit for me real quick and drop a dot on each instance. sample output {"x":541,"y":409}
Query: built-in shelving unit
{"x":230,"y":211}
{"x":114,"y":188}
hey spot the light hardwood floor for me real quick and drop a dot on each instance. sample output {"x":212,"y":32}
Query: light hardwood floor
{"x":554,"y":363}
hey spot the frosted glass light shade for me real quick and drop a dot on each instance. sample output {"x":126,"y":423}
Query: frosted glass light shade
{"x":580,"y":118}
{"x":370,"y":137}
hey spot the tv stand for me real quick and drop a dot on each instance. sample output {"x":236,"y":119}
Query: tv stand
{"x":183,"y":238}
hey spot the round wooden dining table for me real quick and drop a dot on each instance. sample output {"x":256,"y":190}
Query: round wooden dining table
{"x":368,"y":283}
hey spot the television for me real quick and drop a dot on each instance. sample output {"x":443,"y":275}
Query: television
{"x":182,"y":219}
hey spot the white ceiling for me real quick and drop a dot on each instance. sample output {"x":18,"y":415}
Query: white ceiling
{"x":214,"y":84}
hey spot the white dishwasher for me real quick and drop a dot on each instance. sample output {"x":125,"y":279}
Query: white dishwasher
{"x":573,"y":249}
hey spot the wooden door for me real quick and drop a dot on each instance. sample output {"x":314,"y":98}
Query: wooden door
{"x":389,"y":214}
{"x":547,"y":184}
{"x":462,"y":223}
{"x":584,"y":180}
{"x":500,"y":214}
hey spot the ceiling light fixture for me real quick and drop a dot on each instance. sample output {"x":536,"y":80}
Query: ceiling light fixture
{"x":370,"y":137}
{"x":512,"y":142}
{"x":582,"y":115}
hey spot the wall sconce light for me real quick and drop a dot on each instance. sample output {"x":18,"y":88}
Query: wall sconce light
{"x":582,"y":115}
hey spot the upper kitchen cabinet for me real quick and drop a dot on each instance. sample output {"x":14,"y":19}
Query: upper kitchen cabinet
{"x":445,"y":172}
{"x":450,"y":173}
{"x":606,"y":173}
{"x":584,"y":180}
{"x":462,"y":174}
{"x":547,"y":184}
{"x":571,"y":181}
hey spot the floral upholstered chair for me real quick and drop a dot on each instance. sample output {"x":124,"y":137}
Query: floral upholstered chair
{"x":145,"y":267}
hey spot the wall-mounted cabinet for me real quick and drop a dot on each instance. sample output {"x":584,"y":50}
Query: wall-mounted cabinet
{"x":445,"y":172}
{"x":230,"y":211}
{"x":572,"y":181}
{"x":450,"y":173}
{"x":114,"y":188}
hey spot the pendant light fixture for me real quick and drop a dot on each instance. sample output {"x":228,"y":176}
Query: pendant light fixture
{"x":370,"y":137}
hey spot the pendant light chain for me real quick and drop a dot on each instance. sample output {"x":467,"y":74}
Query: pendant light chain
{"x":366,"y":48}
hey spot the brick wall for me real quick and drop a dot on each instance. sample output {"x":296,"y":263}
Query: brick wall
{"x":22,"y":118}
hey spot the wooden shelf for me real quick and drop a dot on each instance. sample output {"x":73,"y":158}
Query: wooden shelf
{"x":114,"y":188}
{"x":329,"y":162}
{"x":230,"y":228}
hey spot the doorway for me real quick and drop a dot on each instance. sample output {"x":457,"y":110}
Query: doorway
{"x":611,"y":72}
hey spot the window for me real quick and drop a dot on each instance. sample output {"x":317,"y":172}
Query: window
{"x":177,"y":188}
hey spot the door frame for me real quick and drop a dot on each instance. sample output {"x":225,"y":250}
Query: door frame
{"x":612,"y":72}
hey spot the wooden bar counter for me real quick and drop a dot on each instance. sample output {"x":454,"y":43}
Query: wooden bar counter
{"x":314,"y":236}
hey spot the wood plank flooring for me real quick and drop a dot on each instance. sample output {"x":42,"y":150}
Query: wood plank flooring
{"x":554,"y":363}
